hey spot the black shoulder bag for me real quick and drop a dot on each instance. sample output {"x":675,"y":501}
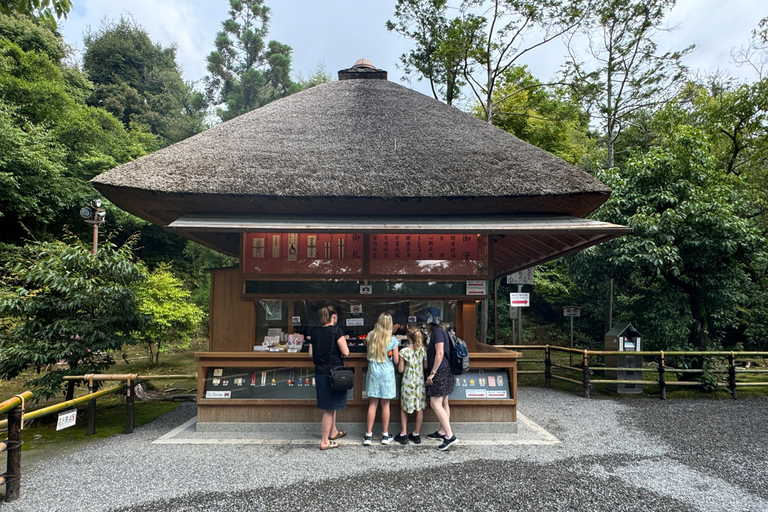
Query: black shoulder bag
{"x":341,"y":378}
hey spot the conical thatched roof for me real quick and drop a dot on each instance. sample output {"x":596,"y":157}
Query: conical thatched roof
{"x":352,"y":146}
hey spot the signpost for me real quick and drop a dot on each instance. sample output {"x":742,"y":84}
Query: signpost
{"x":522,"y":277}
{"x":517,"y":300}
{"x":571,"y":311}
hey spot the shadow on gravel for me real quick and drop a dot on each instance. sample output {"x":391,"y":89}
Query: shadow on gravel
{"x":727,"y":438}
{"x":474,"y":485}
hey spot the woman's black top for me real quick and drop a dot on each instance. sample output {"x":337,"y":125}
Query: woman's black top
{"x":325,"y":349}
{"x":438,"y":336}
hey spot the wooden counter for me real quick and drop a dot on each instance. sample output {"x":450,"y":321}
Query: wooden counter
{"x":305,"y":410}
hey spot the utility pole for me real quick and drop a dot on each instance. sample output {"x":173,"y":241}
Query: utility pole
{"x":96,"y":215}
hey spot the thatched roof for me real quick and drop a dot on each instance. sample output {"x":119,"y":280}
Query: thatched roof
{"x":352,"y":146}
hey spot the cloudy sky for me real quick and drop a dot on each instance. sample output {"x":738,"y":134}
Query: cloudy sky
{"x":335,"y":33}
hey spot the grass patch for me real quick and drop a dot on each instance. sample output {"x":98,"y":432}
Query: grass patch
{"x":110,"y":420}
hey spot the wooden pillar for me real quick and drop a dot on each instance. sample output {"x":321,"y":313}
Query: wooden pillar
{"x":13,"y":467}
{"x":93,"y":386}
{"x":129,"y":407}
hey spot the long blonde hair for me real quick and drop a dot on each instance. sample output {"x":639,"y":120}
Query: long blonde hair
{"x":379,"y":338}
{"x":416,"y":337}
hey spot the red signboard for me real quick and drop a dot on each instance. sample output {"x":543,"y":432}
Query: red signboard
{"x":424,"y":247}
{"x":342,"y":254}
{"x":303,"y":253}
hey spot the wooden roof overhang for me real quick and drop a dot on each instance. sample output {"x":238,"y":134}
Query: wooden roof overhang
{"x":517,"y":241}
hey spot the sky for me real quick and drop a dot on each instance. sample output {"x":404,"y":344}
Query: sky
{"x":335,"y":33}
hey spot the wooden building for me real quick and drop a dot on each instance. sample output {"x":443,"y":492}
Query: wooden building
{"x":367,"y":195}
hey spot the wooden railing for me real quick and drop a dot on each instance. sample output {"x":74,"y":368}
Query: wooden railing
{"x":552,"y":366}
{"x":15,"y":409}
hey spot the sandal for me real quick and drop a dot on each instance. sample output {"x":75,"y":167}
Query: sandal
{"x":332,"y":444}
{"x":339,"y":435}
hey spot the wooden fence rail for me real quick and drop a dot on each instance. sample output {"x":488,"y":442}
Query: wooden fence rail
{"x":15,"y":409}
{"x":661,"y":357}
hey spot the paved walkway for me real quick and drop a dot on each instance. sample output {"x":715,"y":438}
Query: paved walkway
{"x":569,"y":454}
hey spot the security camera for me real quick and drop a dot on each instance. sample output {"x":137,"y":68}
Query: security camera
{"x":96,"y":203}
{"x":101,"y":216}
{"x":86,"y":213}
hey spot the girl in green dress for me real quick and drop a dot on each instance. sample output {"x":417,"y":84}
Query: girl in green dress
{"x":412,"y":393}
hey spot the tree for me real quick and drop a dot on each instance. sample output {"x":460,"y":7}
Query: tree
{"x":320,"y":76}
{"x":441,"y":44}
{"x":169,"y":314}
{"x":43,"y":9}
{"x":483,"y":42}
{"x":52,"y":142}
{"x":543,"y":117}
{"x":690,"y":257}
{"x":755,"y":53}
{"x":69,"y":310}
{"x":140,"y":82}
{"x":627,"y":73}
{"x":244,"y":73}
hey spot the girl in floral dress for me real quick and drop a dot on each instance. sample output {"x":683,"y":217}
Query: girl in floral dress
{"x":412,"y":393}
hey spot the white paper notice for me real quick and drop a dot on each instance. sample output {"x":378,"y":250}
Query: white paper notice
{"x":218,"y":394}
{"x":476,"y":393}
{"x":67,"y":419}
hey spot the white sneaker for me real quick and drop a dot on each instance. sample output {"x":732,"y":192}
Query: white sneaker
{"x":367,"y":439}
{"x":386,"y":438}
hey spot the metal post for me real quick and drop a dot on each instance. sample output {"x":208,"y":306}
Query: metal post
{"x":570,"y":354}
{"x":93,"y":386}
{"x":585,"y":373}
{"x":732,"y":375}
{"x":662,"y":378}
{"x":496,"y":340}
{"x":129,"y":408}
{"x":547,"y":367}
{"x":520,"y":320}
{"x":95,"y":237}
{"x":13,"y":464}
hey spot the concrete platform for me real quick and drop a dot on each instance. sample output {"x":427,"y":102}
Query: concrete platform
{"x":523,"y":432}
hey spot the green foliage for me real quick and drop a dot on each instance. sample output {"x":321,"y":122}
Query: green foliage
{"x":626,"y":73}
{"x":549,"y":120}
{"x":170,"y":315}
{"x":440,"y":44}
{"x":320,"y":76}
{"x":52,"y":142}
{"x":43,"y":9}
{"x":244,"y":73}
{"x":69,"y":310}
{"x":140,"y":83}
{"x":690,"y":254}
{"x":477,"y":50}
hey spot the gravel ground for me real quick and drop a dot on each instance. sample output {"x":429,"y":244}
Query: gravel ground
{"x":616,"y":455}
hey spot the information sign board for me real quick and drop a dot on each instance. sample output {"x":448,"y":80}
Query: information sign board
{"x":67,"y":419}
{"x":519,"y":300}
{"x":522,"y":277}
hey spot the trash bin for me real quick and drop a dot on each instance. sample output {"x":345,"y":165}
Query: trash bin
{"x":624,"y":338}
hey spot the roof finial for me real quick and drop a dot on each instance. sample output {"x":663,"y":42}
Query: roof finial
{"x":362,"y":69}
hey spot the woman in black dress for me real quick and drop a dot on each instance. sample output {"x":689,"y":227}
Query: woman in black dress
{"x":439,"y":382}
{"x":327,"y":347}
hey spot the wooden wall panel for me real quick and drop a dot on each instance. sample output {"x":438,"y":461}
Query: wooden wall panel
{"x":467,"y":328}
{"x":233,"y":319}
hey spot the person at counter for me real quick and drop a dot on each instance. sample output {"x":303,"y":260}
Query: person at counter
{"x":399,"y":320}
{"x":440,"y":380}
{"x":382,"y":358}
{"x":327,"y":348}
